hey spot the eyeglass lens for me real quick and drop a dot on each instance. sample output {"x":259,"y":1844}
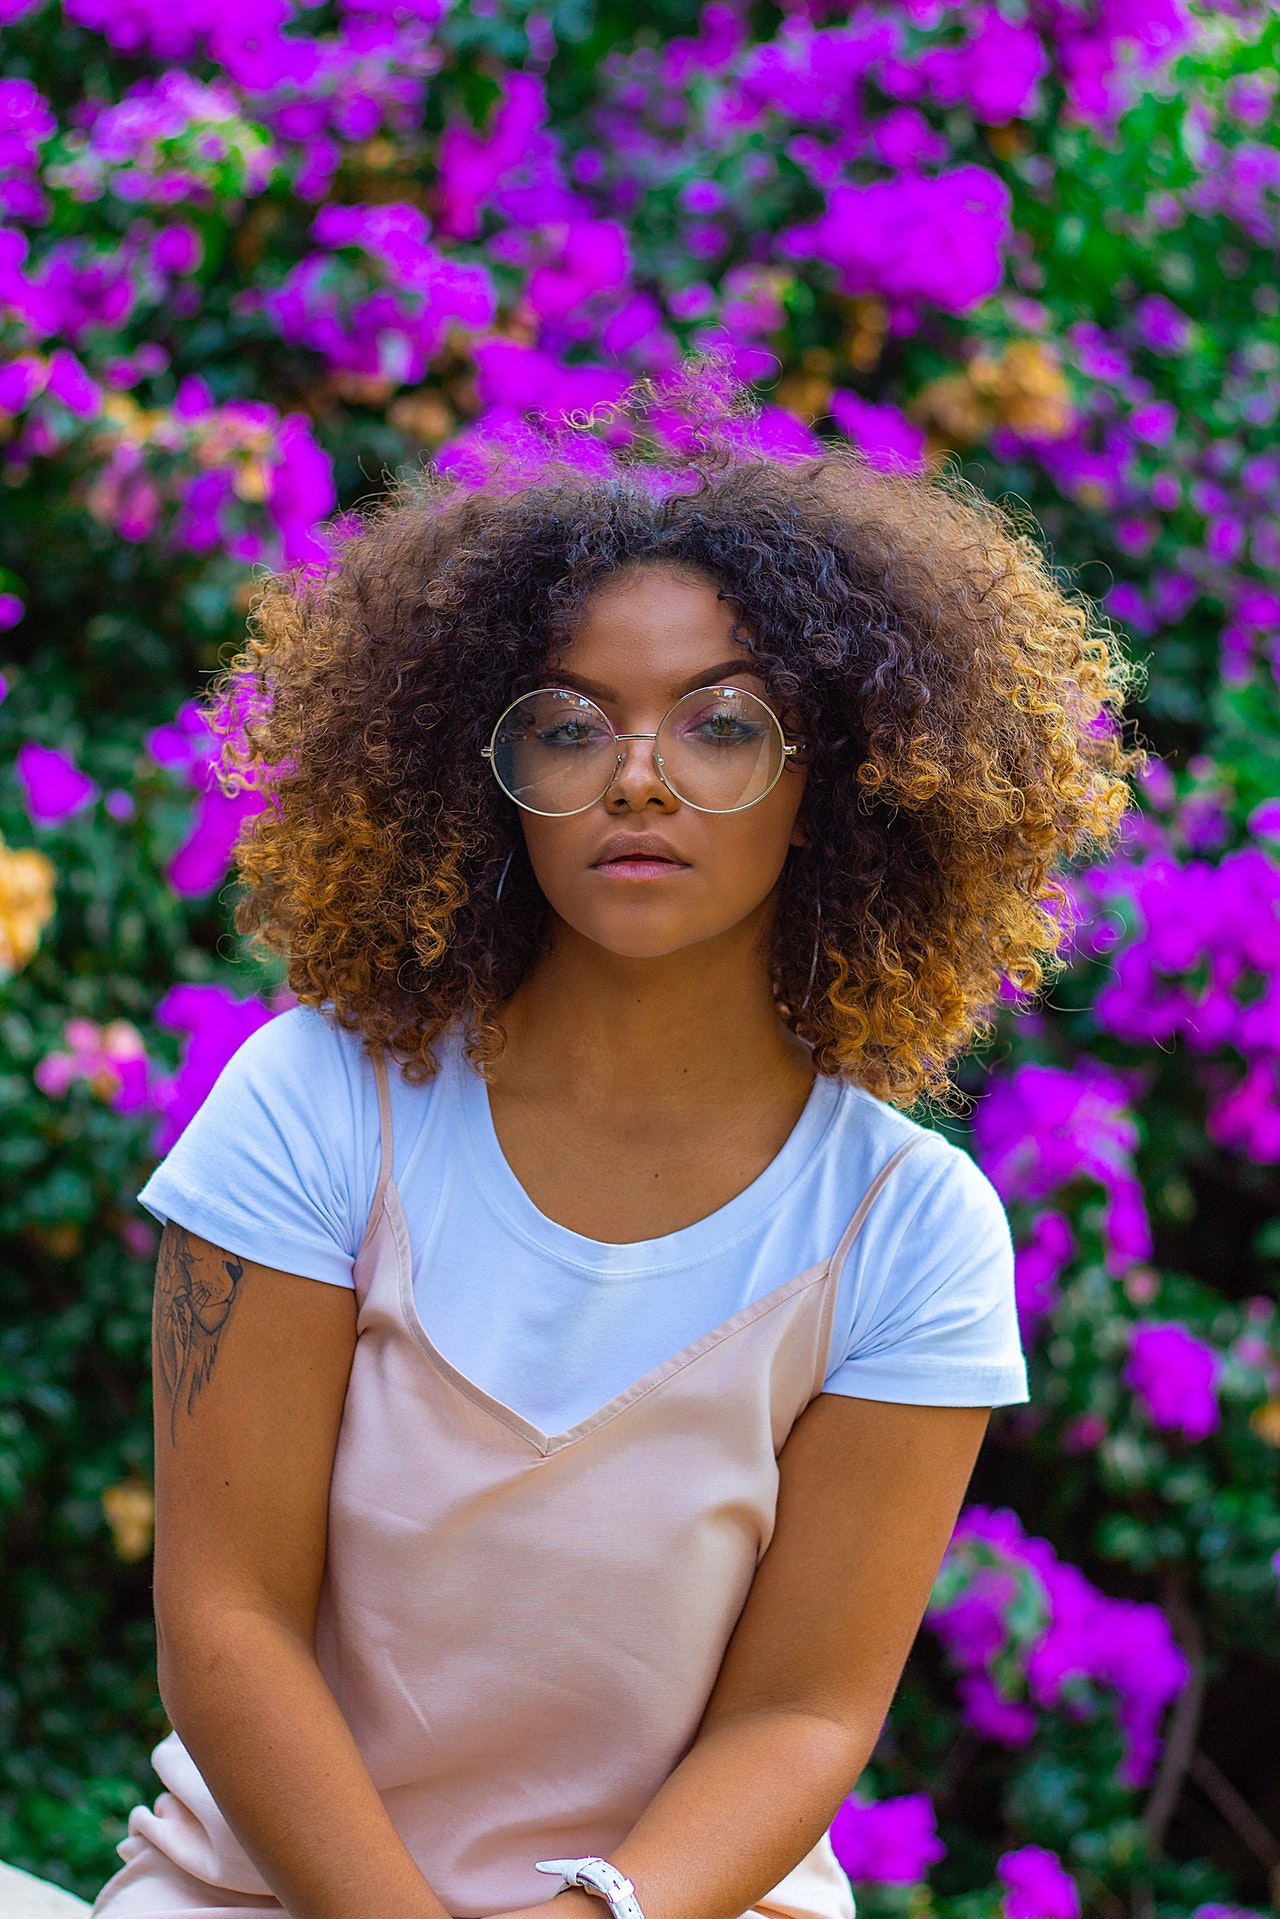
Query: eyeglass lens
{"x":718,"y":749}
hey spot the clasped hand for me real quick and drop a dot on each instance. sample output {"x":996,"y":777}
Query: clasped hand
{"x":572,"y":1903}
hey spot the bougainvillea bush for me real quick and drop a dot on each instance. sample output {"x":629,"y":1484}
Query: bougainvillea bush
{"x":255,"y":256}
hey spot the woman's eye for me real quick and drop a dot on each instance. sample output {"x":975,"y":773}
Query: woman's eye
{"x":569,"y":733}
{"x":723,"y":729}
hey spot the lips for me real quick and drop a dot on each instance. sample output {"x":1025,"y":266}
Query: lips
{"x":638,"y":857}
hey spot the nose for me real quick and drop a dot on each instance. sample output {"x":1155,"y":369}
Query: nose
{"x":637,"y":784}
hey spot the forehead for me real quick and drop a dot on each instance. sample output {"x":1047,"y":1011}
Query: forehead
{"x":651,"y":624}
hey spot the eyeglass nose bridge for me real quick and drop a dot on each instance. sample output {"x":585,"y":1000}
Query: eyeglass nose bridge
{"x":620,"y":740}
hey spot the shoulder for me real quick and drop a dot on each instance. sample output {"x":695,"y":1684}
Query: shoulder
{"x":936,"y":1186}
{"x":301,"y":1058}
{"x":927,"y":1310}
{"x":305,"y":1038}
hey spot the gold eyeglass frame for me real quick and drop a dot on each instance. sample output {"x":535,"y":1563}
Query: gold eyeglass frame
{"x":789,"y":750}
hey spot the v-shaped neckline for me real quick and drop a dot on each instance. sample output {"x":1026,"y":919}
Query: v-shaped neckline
{"x":545,"y":1444}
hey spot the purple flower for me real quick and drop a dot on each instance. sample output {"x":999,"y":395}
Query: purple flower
{"x":1036,"y":1268}
{"x":1163,"y":327}
{"x":204,"y":856}
{"x":1103,"y":51}
{"x":53,"y":786}
{"x":592,"y":257}
{"x":1045,"y":1127}
{"x":1022,"y":1629}
{"x":1155,"y":422}
{"x":12,"y":610}
{"x":914,"y":240}
{"x":1175,"y":1375}
{"x":471,"y":165}
{"x":1036,"y":1886}
{"x":300,"y":490}
{"x":216,"y":1024}
{"x":21,"y":381}
{"x":885,"y":435}
{"x":1009,"y":1722}
{"x":188,"y":749}
{"x":177,"y":249}
{"x":889,"y":1842}
{"x":995,"y":72}
{"x":1264,"y":821}
{"x":68,"y":382}
{"x":1224,"y":538}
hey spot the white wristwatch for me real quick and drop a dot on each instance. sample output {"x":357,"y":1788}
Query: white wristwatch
{"x":599,"y":1877}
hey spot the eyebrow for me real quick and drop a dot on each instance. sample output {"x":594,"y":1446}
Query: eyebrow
{"x":714,"y":676}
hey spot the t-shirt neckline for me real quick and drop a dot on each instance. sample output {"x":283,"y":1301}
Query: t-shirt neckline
{"x":499,"y":1189}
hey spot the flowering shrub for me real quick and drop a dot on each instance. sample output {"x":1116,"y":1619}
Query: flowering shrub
{"x":254,"y":255}
{"x":891,"y":1843}
{"x":1024,"y":1630}
{"x":1035,"y":1885}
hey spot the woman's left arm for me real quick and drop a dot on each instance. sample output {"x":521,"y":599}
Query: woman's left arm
{"x":868,"y":1496}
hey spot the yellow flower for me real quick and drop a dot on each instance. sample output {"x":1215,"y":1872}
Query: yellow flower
{"x":1265,"y":1420}
{"x":26,"y":905}
{"x":1022,"y":387}
{"x":130,"y":1510}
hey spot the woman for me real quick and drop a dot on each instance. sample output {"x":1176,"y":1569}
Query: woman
{"x":637,"y":851}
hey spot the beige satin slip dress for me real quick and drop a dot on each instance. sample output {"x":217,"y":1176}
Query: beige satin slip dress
{"x":522,"y":1629}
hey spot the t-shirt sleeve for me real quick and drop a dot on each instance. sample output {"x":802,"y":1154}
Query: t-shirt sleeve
{"x":931,"y":1278}
{"x":278,"y":1165}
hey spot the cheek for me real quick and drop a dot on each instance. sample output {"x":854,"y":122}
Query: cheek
{"x":747,"y":851}
{"x":558,"y":850}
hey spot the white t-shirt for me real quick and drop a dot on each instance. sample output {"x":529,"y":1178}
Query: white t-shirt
{"x":280,"y":1164}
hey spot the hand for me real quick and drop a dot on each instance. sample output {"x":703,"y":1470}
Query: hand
{"x":572,"y":1903}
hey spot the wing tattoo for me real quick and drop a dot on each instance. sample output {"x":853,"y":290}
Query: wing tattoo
{"x":194,"y":1301}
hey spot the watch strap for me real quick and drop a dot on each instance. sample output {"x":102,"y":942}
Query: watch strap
{"x":598,"y":1876}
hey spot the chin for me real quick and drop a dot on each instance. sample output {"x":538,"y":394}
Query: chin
{"x":643,"y":937}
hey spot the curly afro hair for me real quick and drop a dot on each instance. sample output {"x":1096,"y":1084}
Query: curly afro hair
{"x":960,"y":707}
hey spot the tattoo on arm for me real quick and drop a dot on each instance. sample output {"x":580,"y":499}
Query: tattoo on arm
{"x":194,"y":1300}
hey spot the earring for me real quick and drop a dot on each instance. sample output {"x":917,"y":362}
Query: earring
{"x":502,"y":877}
{"x":813,"y":966}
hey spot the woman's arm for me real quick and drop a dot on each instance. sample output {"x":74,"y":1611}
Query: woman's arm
{"x":251,"y":1369}
{"x":869,"y":1494}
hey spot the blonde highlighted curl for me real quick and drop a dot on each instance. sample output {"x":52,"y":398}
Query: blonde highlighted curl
{"x":961,"y":707}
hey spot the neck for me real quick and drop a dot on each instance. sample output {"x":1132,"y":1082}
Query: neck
{"x":652,"y":1031}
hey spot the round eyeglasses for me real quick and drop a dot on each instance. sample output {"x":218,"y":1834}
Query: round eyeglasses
{"x":718,"y":750}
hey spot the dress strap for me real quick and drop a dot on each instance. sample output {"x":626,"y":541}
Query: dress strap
{"x":384,"y":1143}
{"x":835,"y":1265}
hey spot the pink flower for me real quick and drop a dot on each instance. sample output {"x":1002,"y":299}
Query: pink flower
{"x":111,"y":1058}
{"x":892,"y":1842}
{"x":53,"y":786}
{"x":1175,"y":1375}
{"x":1036,"y":1886}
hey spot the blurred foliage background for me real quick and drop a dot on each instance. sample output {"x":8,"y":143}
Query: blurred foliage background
{"x":254,"y":260}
